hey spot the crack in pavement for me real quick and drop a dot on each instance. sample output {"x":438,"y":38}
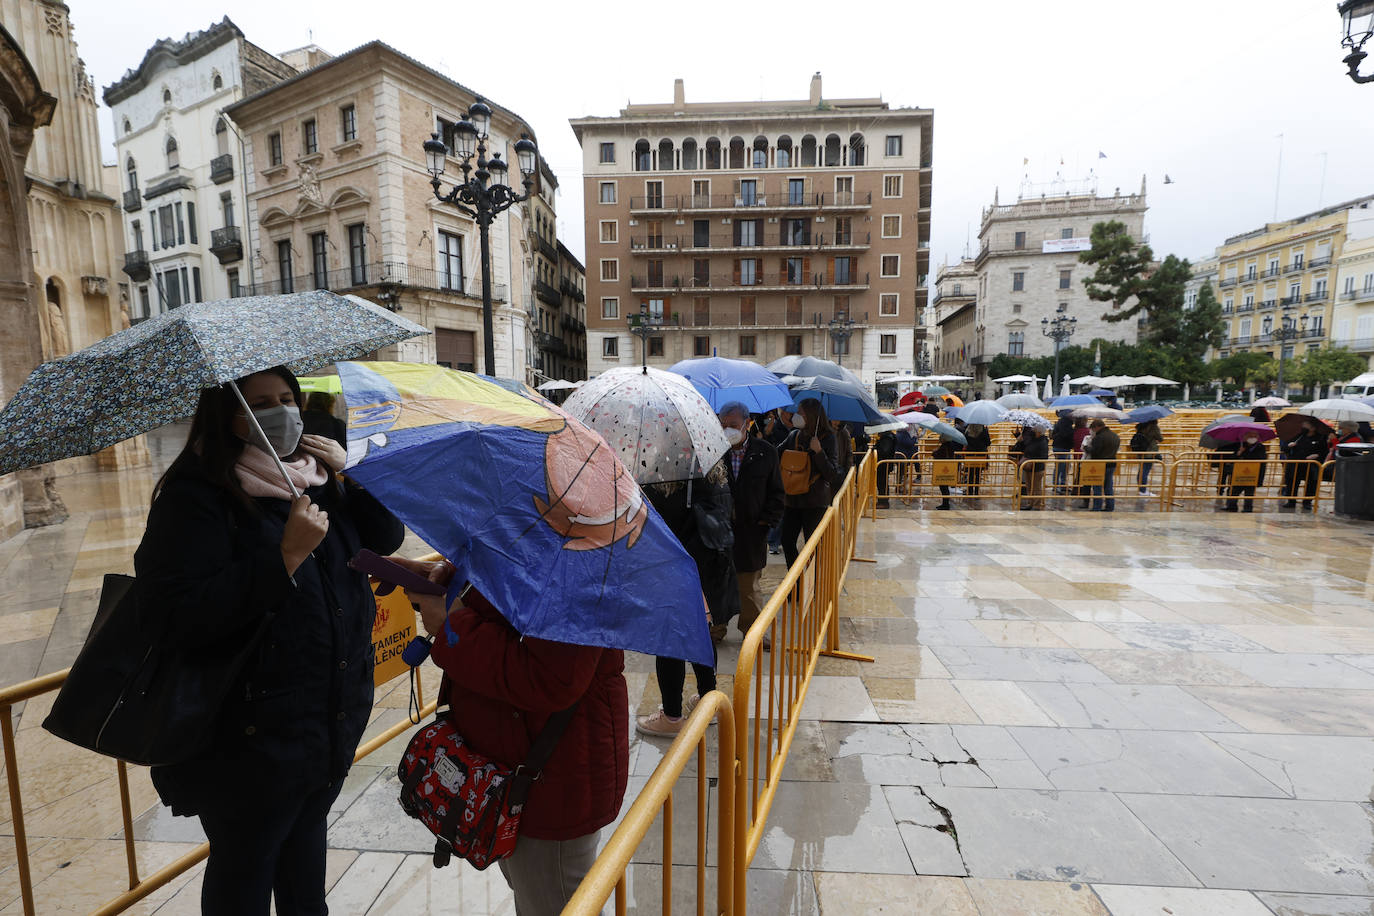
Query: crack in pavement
{"x":947,"y":827}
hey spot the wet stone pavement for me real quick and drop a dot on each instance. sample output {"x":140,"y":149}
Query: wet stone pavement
{"x":1068,"y":714}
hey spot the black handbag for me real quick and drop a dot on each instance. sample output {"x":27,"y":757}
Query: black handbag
{"x":130,"y":698}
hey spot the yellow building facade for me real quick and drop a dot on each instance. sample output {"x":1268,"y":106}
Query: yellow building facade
{"x":1277,"y":284}
{"x":1353,"y":324}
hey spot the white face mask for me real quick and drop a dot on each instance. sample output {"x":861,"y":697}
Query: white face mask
{"x":1251,"y":441}
{"x":799,"y":421}
{"x":282,"y":425}
{"x":733,"y":436}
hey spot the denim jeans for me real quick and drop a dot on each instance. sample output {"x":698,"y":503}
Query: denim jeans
{"x":1061,"y":467}
{"x":1108,"y":504}
{"x":1146,"y":466}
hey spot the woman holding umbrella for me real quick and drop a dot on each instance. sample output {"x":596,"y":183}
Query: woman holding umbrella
{"x":1310,"y":443}
{"x":1250,"y":449}
{"x":802,"y":512}
{"x":230,"y":550}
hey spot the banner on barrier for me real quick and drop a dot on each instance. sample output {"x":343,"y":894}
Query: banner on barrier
{"x":1245,"y":474}
{"x":392,"y":630}
{"x":945,"y":473}
{"x":1092,"y":475}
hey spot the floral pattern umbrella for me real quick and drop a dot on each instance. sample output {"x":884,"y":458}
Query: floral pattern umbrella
{"x":151,"y":374}
{"x":655,"y":421}
{"x":1026,"y":418}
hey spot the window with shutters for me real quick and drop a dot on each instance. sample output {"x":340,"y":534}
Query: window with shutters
{"x":653,"y":195}
{"x":793,"y":310}
{"x":891,"y":265}
{"x":797,"y":270}
{"x":793,"y":345}
{"x":285,"y":274}
{"x":892,"y":185}
{"x":701,"y":233}
{"x":747,"y":272}
{"x":841,"y":306}
{"x":607,"y":192}
{"x":654,"y":307}
{"x":747,"y":345}
{"x":796,"y":232}
{"x":655,"y":269}
{"x":655,"y":346}
{"x":887,"y":305}
{"x":892,"y":226}
{"x":887,"y":344}
{"x":747,"y":306}
{"x":748,"y":232}
{"x":310,"y":138}
{"x":348,"y":123}
{"x":610,"y":307}
{"x":450,"y":261}
{"x":455,"y":349}
{"x":319,"y":260}
{"x":748,"y":193}
{"x":844,"y":230}
{"x":610,"y":231}
{"x":610,"y":347}
{"x":701,"y":311}
{"x":796,"y":191}
{"x":701,"y":345}
{"x":844,"y":191}
{"x":274,"y":154}
{"x":610,"y":269}
{"x":607,"y":152}
{"x":842,"y":271}
{"x":701,"y":272}
{"x":701,"y":192}
{"x":893,"y":145}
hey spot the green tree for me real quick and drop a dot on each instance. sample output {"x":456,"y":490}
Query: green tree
{"x":1125,"y":270}
{"x":1240,"y":368}
{"x":1201,"y":327}
{"x":1319,"y":368}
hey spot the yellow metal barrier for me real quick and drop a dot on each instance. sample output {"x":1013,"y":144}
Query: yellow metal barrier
{"x":139,"y":888}
{"x":977,"y":475}
{"x":1198,"y":479}
{"x":1084,"y":473}
{"x":607,"y":874}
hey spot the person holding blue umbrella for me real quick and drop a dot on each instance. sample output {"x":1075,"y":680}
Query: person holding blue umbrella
{"x":723,"y":381}
{"x":809,"y":484}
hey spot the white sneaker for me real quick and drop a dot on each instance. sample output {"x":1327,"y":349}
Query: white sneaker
{"x":690,"y":705}
{"x":1150,"y":493}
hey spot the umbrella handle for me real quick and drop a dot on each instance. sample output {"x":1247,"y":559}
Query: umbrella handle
{"x":253,"y":421}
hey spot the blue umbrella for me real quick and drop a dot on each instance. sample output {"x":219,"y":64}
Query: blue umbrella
{"x":1075,"y":400}
{"x":841,"y":400}
{"x":151,"y":374}
{"x":1146,"y":414}
{"x":1103,"y":392}
{"x":533,"y":507}
{"x":721,"y":381}
{"x":981,"y":413}
{"x":810,"y":367}
{"x":945,"y":431}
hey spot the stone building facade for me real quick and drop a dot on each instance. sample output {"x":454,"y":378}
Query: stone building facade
{"x":1352,"y":326}
{"x":24,"y":109}
{"x":571,"y":364}
{"x":1028,"y":266}
{"x":180,"y":165}
{"x":339,"y":198}
{"x":748,"y":227}
{"x":956,"y":288}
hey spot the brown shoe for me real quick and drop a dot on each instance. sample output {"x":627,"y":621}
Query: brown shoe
{"x":718,"y":631}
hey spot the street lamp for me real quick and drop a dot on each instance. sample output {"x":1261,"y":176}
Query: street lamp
{"x":646,"y":325}
{"x":841,"y":329}
{"x":1289,"y":329}
{"x":923,"y":360}
{"x":1059,"y":330}
{"x":1357,"y":19}
{"x":482,"y":194}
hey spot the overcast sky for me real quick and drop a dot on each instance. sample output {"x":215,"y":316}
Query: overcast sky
{"x":1197,"y":90}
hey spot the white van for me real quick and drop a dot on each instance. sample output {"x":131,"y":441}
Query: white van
{"x":1360,"y":386}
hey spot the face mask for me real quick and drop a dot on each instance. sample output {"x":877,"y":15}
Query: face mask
{"x":798,"y":421}
{"x":282,"y":425}
{"x":733,"y":436}
{"x":1251,"y":441}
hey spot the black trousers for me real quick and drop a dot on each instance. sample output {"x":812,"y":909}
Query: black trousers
{"x":672,"y":674}
{"x":797,"y":521}
{"x":265,"y":852}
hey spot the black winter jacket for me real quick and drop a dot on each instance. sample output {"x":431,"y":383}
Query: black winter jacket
{"x":1062,"y":436}
{"x":207,"y":570}
{"x":706,"y":532}
{"x":758,"y":503}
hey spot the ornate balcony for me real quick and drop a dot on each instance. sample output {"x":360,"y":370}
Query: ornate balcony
{"x":222,"y":169}
{"x":226,"y":244}
{"x":133,"y":201}
{"x":136,"y":265}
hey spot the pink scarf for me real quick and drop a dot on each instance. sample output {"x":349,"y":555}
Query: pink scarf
{"x":259,"y":476}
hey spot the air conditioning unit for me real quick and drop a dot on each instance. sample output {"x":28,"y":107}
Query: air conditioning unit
{"x":671,"y":246}
{"x":634,"y":222}
{"x":772,"y":219}
{"x":819,"y":219}
{"x":726,"y":221}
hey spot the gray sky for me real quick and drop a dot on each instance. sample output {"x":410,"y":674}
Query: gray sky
{"x":1196,"y":90}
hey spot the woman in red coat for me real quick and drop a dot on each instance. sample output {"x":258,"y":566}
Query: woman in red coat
{"x":502,"y":688}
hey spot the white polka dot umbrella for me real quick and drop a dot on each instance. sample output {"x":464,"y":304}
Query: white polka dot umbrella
{"x":659,"y":425}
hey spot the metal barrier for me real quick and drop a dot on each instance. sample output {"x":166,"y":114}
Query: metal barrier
{"x":1194,"y":480}
{"x":607,"y":874}
{"x":976,"y":475}
{"x":139,"y":888}
{"x":1082,"y":474}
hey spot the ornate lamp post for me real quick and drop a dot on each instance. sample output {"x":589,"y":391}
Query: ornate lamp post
{"x":482,"y":194}
{"x":841,"y":329}
{"x":1357,"y":18}
{"x":1290,"y":329}
{"x":644,"y":326}
{"x":1058,"y":330}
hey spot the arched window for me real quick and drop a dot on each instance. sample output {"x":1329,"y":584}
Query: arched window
{"x":832,"y":150}
{"x":643,"y":158}
{"x":217,"y":83}
{"x":808,"y":151}
{"x":783,"y":157}
{"x":713,"y":157}
{"x":132,"y":170}
{"x":173,"y":158}
{"x":736,"y":153}
{"x":665,"y":155}
{"x":127,"y":126}
{"x":221,"y":137}
{"x":856,"y":149}
{"x":166,"y":96}
{"x":689,"y":154}
{"x":759,"y":159}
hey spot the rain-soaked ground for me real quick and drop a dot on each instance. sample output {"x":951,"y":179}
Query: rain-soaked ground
{"x":1068,"y":714}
